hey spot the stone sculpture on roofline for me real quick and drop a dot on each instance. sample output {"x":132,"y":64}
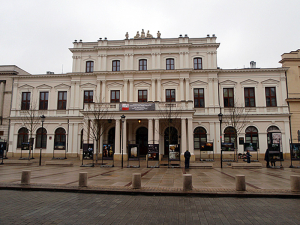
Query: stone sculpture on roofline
{"x":143,"y":35}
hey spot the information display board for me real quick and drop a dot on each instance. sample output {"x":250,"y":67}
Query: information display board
{"x":88,"y":151}
{"x":108,"y":151}
{"x":295,"y":151}
{"x":274,"y":148}
{"x":227,"y":146}
{"x":252,"y":147}
{"x":208,"y":146}
{"x":153,"y":151}
{"x":133,"y":152}
{"x":174,"y":152}
{"x":25,"y":146}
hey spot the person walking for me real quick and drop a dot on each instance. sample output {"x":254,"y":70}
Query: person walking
{"x":187,"y":156}
{"x":267,"y":158}
{"x":248,"y":156}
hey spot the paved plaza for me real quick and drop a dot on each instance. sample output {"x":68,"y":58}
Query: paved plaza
{"x":23,"y":207}
{"x":267,"y":181}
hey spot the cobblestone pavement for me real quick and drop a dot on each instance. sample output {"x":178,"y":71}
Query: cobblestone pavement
{"x":23,"y":207}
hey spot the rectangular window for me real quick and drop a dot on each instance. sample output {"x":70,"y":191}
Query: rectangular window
{"x":89,"y":67}
{"x":25,"y":105}
{"x":271,"y":97}
{"x":199,"y":97}
{"x":197,"y":63}
{"x":142,"y":96}
{"x":249,"y":97}
{"x":88,"y":96}
{"x":115,"y":96}
{"x":116,"y":65}
{"x":62,"y":100}
{"x":228,"y":97}
{"x":170,"y":95}
{"x":143,"y":64}
{"x":170,"y":64}
{"x":43,"y":100}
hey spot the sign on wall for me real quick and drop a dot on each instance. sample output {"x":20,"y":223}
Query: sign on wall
{"x":137,"y":107}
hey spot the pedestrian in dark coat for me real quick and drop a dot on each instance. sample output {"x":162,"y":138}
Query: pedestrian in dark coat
{"x":267,"y":158}
{"x":187,"y":156}
{"x":248,"y":156}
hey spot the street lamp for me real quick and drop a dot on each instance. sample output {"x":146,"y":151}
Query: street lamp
{"x":123,"y":120}
{"x":43,"y":120}
{"x":220,"y":115}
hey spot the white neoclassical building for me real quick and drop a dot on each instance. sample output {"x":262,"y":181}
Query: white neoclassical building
{"x":162,"y":86}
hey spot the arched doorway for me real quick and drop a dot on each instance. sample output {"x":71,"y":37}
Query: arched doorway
{"x":142,"y":139}
{"x":173,"y":138}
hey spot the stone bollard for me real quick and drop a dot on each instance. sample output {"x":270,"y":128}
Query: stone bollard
{"x":240,"y":183}
{"x":295,"y":183}
{"x":187,"y":182}
{"x":136,"y":181}
{"x":83,"y":177}
{"x":25,"y":179}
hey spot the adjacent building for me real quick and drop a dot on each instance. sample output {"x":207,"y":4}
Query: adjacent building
{"x":168,"y":90}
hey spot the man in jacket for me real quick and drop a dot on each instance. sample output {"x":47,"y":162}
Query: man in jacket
{"x":187,"y":156}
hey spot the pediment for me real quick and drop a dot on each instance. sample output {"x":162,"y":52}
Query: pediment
{"x":62,"y":86}
{"x":26,"y":86}
{"x":270,"y":81}
{"x":88,"y":85}
{"x":115,"y":84}
{"x":228,"y":82}
{"x":142,"y":84}
{"x":198,"y":82}
{"x":170,"y":83}
{"x":44,"y":86}
{"x":249,"y":81}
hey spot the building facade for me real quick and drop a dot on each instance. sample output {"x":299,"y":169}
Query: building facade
{"x":292,"y":62}
{"x":170,"y":91}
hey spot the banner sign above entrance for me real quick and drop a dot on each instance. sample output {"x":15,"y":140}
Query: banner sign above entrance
{"x":137,"y":107}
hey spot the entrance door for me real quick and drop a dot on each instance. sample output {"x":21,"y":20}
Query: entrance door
{"x":142,"y":140}
{"x":173,"y":137}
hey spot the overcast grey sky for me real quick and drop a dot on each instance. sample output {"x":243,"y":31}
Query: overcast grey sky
{"x":36,"y":34}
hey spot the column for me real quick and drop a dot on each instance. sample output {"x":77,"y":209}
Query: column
{"x":74,"y":64}
{"x":187,"y":89}
{"x":131,"y":62}
{"x":181,"y":89}
{"x":158,"y":96}
{"x":150,"y":131}
{"x":76,"y":95}
{"x":131,"y":90}
{"x":283,"y":91}
{"x":156,"y":132}
{"x":190,"y":136}
{"x":97,"y":94}
{"x":72,"y":99}
{"x":186,"y":60}
{"x":104,"y":63}
{"x":98,"y":66}
{"x":215,"y":90}
{"x":125,"y":90}
{"x":117,"y":137}
{"x":103,"y":91}
{"x":153,"y":60}
{"x":14,"y":97}
{"x":181,"y":60}
{"x":101,"y":141}
{"x":125,"y":61}
{"x":124,"y":130}
{"x":1,"y":97}
{"x":183,"y":136}
{"x":153,"y":90}
{"x":210,"y":91}
{"x":158,"y":61}
{"x":70,"y":138}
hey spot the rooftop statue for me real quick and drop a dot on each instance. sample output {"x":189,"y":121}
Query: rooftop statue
{"x":137,"y":35}
{"x":149,"y":35}
{"x":158,"y":34}
{"x":126,"y":35}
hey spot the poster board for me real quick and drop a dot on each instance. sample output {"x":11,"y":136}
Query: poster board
{"x":208,"y":146}
{"x":108,"y":151}
{"x":295,"y":151}
{"x":153,"y":152}
{"x":88,"y":151}
{"x":133,"y":152}
{"x":25,"y":146}
{"x":252,"y":147}
{"x":174,"y":152}
{"x":227,"y":146}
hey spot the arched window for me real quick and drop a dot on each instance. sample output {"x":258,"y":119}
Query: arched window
{"x":251,"y":135}
{"x":200,"y":137}
{"x":22,"y":136}
{"x":170,"y":64}
{"x":39,"y":138}
{"x":229,"y":135}
{"x":116,"y":65}
{"x":197,"y":63}
{"x":143,"y":64}
{"x":89,"y":67}
{"x":60,"y":139}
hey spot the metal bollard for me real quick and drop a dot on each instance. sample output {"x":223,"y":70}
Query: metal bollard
{"x":83,"y":177}
{"x":136,"y":181}
{"x":25,"y":179}
{"x":187,"y":182}
{"x":295,"y":183}
{"x":240,"y":183}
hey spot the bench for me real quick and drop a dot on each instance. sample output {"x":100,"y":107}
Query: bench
{"x":201,"y":165}
{"x":58,"y":163}
{"x":246,"y":165}
{"x":17,"y":162}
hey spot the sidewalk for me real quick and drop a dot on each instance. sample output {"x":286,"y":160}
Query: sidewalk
{"x":264,"y":182}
